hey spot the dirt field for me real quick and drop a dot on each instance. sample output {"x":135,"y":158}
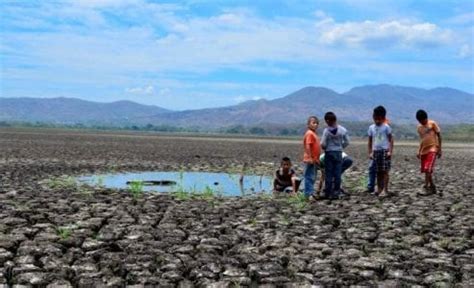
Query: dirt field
{"x":64,"y":236}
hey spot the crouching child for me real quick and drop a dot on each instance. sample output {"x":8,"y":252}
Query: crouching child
{"x":285,"y":178}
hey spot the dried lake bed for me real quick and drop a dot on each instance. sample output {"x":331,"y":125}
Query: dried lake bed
{"x":53,"y":234}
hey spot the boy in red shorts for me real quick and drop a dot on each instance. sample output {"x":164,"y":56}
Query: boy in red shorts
{"x":430,"y":147}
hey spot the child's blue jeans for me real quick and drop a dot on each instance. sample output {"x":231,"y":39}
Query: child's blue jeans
{"x":333,"y":163}
{"x":310,"y":173}
{"x":372,"y":176}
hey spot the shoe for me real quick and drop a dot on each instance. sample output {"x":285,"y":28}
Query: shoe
{"x":370,"y":191}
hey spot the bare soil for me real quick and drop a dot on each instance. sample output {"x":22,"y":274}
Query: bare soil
{"x":63,"y":237}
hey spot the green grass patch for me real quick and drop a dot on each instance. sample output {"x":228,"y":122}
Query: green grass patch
{"x":136,"y":188}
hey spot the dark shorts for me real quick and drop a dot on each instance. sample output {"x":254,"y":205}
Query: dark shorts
{"x":382,"y":162}
{"x":285,"y":187}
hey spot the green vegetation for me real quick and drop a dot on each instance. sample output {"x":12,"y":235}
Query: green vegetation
{"x":64,"y":232}
{"x":460,"y":133}
{"x":451,"y":132}
{"x":285,"y":220}
{"x":66,"y":183}
{"x":136,"y":188}
{"x":63,"y":182}
{"x":181,"y":193}
{"x":299,"y":201}
{"x":359,"y":184}
{"x":100,"y":181}
{"x":253,"y":222}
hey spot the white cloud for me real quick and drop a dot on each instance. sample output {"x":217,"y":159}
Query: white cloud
{"x":465,"y":51}
{"x":147,"y":90}
{"x":462,"y":19}
{"x":243,"y":98}
{"x":104,"y":3}
{"x":384,"y":34}
{"x":117,"y":44}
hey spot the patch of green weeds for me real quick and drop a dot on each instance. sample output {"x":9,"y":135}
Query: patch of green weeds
{"x":285,"y":220}
{"x":265,"y":196}
{"x":63,"y":182}
{"x":253,"y":221}
{"x":136,"y":188}
{"x":66,"y":183}
{"x":100,"y":181}
{"x":112,"y":168}
{"x":363,"y":182}
{"x":235,"y":284}
{"x":299,"y":201}
{"x":208,"y":193}
{"x":456,"y":207}
{"x":64,"y":232}
{"x":357,"y":185}
{"x":181,"y":194}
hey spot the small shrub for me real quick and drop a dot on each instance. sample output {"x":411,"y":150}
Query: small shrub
{"x":136,"y":188}
{"x":64,"y":232}
{"x":299,"y":201}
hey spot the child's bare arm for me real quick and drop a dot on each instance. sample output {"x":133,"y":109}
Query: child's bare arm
{"x":440,"y":141}
{"x":293,"y":184}
{"x":321,"y":180}
{"x":390,"y":151}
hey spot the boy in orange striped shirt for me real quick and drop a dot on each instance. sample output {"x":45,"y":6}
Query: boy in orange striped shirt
{"x":430,"y":147}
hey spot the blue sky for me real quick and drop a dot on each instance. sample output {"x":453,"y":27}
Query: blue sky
{"x":194,"y":54}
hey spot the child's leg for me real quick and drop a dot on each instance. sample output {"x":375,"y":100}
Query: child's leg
{"x":380,"y":180}
{"x":386,"y":179}
{"x":329,"y":170}
{"x":297,"y":183}
{"x":346,"y":164}
{"x":429,"y":175}
{"x":337,"y":171}
{"x":372,"y":176}
{"x":427,"y":180}
{"x":321,"y":181}
{"x":309,"y":178}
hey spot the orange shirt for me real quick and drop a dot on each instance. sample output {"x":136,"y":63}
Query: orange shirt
{"x":429,"y":141}
{"x":311,"y":139}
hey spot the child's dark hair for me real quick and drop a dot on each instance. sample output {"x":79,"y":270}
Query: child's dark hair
{"x":313,"y":117}
{"x":330,"y":117}
{"x":380,"y":111}
{"x":421,"y":115}
{"x":285,"y":159}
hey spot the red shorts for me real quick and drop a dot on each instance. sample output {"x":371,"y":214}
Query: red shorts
{"x":428,"y":162}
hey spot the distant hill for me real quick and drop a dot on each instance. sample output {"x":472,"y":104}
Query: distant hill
{"x":446,"y":105}
{"x":71,"y":110}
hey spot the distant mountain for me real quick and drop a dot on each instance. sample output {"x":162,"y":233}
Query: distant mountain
{"x":71,"y":111}
{"x":446,"y":105}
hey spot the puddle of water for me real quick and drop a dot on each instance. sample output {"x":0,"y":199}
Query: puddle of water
{"x":222,"y":183}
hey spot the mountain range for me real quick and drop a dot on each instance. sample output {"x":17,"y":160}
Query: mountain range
{"x":446,"y":105}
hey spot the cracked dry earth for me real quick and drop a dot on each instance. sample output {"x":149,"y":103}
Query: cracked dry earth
{"x":404,"y":240}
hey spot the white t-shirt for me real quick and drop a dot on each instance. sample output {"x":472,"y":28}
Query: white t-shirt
{"x":379,"y":136}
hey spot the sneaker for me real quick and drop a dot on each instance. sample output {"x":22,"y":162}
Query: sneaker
{"x":370,"y":191}
{"x":312,"y":199}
